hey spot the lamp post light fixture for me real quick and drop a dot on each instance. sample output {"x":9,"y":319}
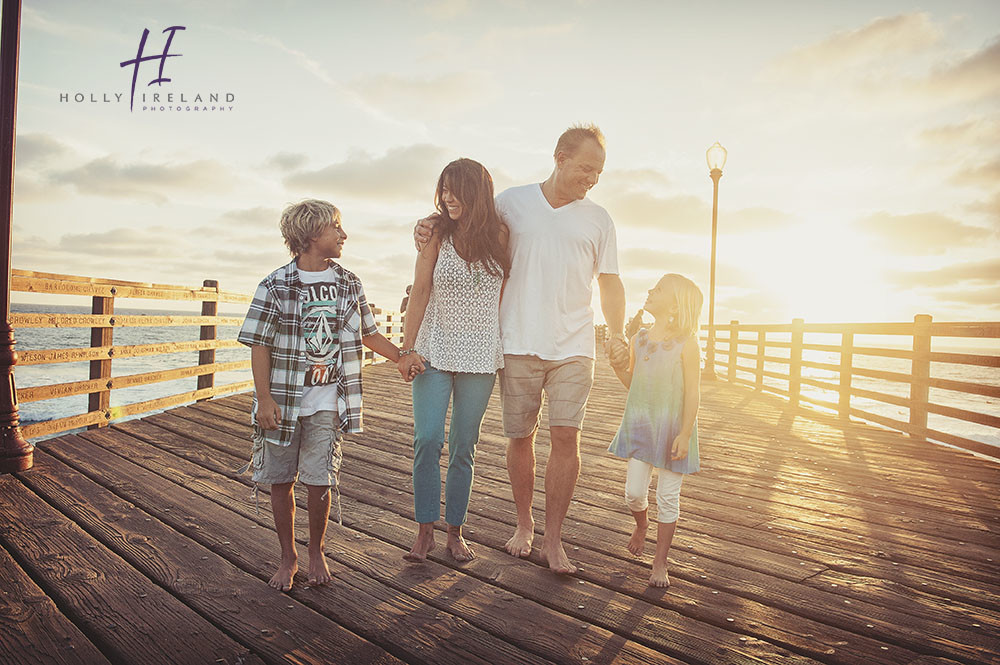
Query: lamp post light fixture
{"x":716,"y":157}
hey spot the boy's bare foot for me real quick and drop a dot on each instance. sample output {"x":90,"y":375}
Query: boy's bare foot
{"x":637,"y":542}
{"x":659,"y":578}
{"x":457,"y":547}
{"x":319,"y":572}
{"x":424,"y":544}
{"x":556,"y":557}
{"x":282,"y":579}
{"x":520,"y":543}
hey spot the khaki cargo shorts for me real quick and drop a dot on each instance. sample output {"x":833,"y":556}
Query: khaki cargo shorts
{"x":566,"y":384}
{"x":313,"y":456}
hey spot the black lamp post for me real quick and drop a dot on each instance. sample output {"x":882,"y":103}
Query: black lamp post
{"x":716,"y":157}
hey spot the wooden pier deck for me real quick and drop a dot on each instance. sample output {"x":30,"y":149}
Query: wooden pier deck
{"x":803,"y":540}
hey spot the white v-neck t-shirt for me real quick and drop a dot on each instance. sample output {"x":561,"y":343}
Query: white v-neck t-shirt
{"x":555,"y":255}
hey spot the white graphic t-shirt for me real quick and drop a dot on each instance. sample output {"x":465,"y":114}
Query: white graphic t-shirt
{"x":321,"y":329}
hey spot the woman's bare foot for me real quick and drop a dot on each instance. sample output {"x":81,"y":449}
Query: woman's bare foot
{"x":457,"y":547}
{"x":556,"y":557}
{"x":520,"y":543}
{"x":282,"y":579}
{"x":424,"y":545}
{"x":319,"y":572}
{"x":637,"y":542}
{"x":659,"y":578}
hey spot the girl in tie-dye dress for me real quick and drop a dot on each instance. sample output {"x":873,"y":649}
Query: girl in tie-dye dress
{"x":659,"y":427}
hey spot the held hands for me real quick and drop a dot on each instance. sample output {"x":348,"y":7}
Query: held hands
{"x":680,"y":448}
{"x":410,"y":365}
{"x":423,"y":230}
{"x":617,"y":351}
{"x":268,"y":413}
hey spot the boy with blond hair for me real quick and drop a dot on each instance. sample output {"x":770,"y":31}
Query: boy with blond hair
{"x":305,"y":328}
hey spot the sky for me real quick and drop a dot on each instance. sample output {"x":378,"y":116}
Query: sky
{"x":863,"y":138}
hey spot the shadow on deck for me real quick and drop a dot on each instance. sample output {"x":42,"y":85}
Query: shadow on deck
{"x":802,"y":540}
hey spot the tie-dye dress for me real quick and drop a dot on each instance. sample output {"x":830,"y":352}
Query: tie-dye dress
{"x":655,"y":407}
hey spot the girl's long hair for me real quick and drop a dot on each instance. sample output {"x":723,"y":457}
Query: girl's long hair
{"x":470,"y":183}
{"x":689,"y":301}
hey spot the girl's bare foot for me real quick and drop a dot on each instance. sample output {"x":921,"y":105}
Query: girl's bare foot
{"x":556,"y":557}
{"x":457,"y":547}
{"x":659,"y":578}
{"x":282,"y":579}
{"x":319,"y":572}
{"x":424,"y":545}
{"x":637,"y":542}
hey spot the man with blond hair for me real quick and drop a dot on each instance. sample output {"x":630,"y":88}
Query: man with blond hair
{"x":559,"y":241}
{"x":305,"y":328}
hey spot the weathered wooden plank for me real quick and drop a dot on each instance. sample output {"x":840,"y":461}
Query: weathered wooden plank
{"x":133,"y":619}
{"x":55,"y":390}
{"x":410,"y":629}
{"x":29,"y":320}
{"x":49,"y":356}
{"x":104,"y":289}
{"x":33,"y":628}
{"x":245,"y":607}
{"x":45,"y":427}
{"x":474,"y":599}
{"x":854,"y":553}
{"x":799,"y":599}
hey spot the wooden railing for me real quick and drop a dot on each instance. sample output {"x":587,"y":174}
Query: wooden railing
{"x":102,"y":321}
{"x":759,"y":345}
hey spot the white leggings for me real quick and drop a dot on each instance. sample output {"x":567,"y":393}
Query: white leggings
{"x":668,"y":490}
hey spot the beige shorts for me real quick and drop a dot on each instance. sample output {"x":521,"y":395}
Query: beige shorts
{"x":313,"y":456}
{"x":566,"y":384}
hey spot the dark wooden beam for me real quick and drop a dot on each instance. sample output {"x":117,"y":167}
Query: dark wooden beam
{"x":15,"y":452}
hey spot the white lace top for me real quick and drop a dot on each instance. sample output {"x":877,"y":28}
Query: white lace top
{"x":461,"y":327}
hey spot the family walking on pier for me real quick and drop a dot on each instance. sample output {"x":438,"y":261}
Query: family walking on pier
{"x":502,"y":287}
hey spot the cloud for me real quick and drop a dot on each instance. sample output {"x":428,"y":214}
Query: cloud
{"x":984,"y":175}
{"x":979,"y":131}
{"x":989,"y":207}
{"x":686,"y":214}
{"x":254,"y":218}
{"x":445,"y":9}
{"x":442,"y":95}
{"x":286,"y":161}
{"x":406,"y":173}
{"x":662,"y":261}
{"x":976,"y":272}
{"x":33,"y":19}
{"x":144,"y":181}
{"x":979,"y":297}
{"x":855,"y":49}
{"x":921,"y":233}
{"x":37,"y":149}
{"x":972,"y":77}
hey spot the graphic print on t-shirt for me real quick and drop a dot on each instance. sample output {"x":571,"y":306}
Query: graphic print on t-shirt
{"x":319,"y":325}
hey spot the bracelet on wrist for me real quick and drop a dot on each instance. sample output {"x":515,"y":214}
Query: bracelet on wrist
{"x":406,"y":352}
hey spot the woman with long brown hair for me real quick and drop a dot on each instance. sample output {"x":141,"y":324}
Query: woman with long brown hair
{"x":452,"y":347}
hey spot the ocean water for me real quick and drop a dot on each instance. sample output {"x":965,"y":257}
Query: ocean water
{"x":56,"y":338}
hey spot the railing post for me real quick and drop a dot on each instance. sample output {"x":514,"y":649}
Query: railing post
{"x":846,"y":364}
{"x":761,"y":345}
{"x":207,"y":356}
{"x":734,"y":348}
{"x":920,"y":373}
{"x":795,"y":363}
{"x":16,"y":454}
{"x":101,"y":369}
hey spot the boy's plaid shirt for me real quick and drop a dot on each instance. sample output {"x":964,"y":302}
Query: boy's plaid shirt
{"x":275,"y":321}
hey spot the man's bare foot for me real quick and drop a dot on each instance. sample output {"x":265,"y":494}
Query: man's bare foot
{"x":556,"y":557}
{"x":282,"y":579}
{"x":457,"y":547}
{"x":659,"y":578}
{"x":424,"y":544}
{"x":319,"y":572}
{"x":520,"y":543}
{"x":637,"y":542}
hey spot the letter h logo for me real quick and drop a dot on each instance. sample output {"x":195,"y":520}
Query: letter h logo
{"x":139,"y":58}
